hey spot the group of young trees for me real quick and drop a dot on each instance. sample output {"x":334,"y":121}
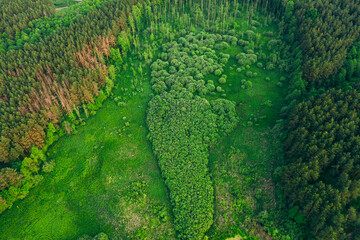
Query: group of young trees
{"x":183,"y":124}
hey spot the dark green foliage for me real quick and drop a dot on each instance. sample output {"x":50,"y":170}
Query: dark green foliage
{"x":15,"y":15}
{"x":321,"y":175}
{"x":327,"y":29}
{"x":348,"y":76}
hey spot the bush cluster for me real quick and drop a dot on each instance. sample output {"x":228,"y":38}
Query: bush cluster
{"x":182,"y":124}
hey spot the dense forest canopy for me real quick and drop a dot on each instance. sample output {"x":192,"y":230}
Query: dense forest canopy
{"x":327,"y":30}
{"x":56,"y":69}
{"x":322,"y":171}
{"x":16,"y":15}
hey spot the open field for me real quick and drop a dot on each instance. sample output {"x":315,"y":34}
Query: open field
{"x":104,"y":181}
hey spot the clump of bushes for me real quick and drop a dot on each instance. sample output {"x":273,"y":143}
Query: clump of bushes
{"x":218,"y":72}
{"x":246,"y":84}
{"x":270,"y":66}
{"x":246,"y":58}
{"x":240,"y":69}
{"x":182,"y":124}
{"x":180,"y":141}
{"x":250,"y":74}
{"x":222,"y":80}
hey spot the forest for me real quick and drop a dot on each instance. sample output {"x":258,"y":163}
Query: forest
{"x":174,"y":119}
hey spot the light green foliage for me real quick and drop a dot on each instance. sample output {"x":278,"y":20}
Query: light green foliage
{"x":105,"y":175}
{"x":181,"y":138}
{"x":89,"y":190}
{"x":217,"y":72}
{"x":246,"y":59}
{"x":48,"y":166}
{"x":51,"y":134}
{"x":184,"y":162}
{"x":123,"y":42}
{"x":222,"y":80}
{"x":115,"y":55}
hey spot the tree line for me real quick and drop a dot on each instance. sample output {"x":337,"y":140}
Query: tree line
{"x":319,"y":174}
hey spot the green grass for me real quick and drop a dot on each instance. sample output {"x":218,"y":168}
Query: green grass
{"x":91,"y":188}
{"x":242,"y":163}
{"x":106,"y":180}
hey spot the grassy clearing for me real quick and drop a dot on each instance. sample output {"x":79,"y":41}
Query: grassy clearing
{"x":242,"y":163}
{"x":106,"y":179}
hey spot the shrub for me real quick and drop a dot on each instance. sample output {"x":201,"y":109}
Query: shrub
{"x":222,"y":80}
{"x":121,"y":104}
{"x":172,"y":70}
{"x":231,"y":32}
{"x":224,"y":60}
{"x":199,"y":76}
{"x":243,"y":42}
{"x":219,"y":89}
{"x":221,"y":46}
{"x":218,"y":72}
{"x":249,"y":74}
{"x":249,"y":34}
{"x":210,"y":87}
{"x":270,"y":66}
{"x":48,"y":166}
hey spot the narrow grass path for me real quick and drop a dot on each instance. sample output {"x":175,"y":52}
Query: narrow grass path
{"x":104,"y":180}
